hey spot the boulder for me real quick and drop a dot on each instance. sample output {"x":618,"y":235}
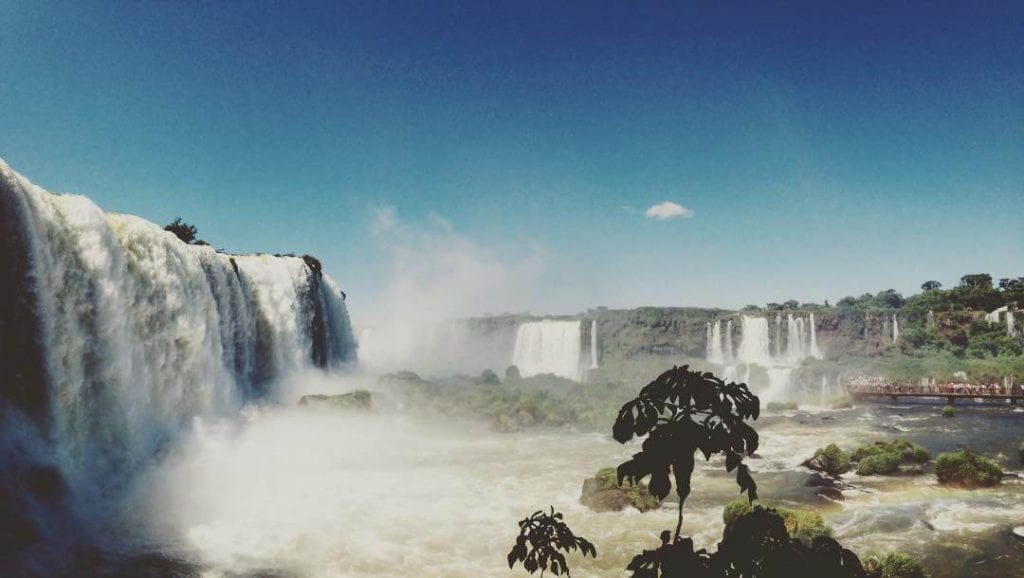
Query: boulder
{"x":602,"y":493}
{"x":359,"y":400}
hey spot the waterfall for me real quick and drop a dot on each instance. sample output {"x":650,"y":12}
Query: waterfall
{"x":1010,"y":323}
{"x":815,"y":350}
{"x":754,"y":341}
{"x":593,"y":344}
{"x":548,"y":346}
{"x":714,"y":346}
{"x":930,"y":319}
{"x":794,"y":339}
{"x":729,"y":357}
{"x":778,"y":335}
{"x":895,"y":328}
{"x":134,"y":333}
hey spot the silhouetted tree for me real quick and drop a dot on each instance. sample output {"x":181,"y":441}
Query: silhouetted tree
{"x":541,"y":536}
{"x":930,"y":285}
{"x":183,"y":230}
{"x":512,"y":373}
{"x":976,"y":281}
{"x":682,"y":412}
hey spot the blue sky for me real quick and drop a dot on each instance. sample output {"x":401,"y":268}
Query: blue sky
{"x":819,"y":151}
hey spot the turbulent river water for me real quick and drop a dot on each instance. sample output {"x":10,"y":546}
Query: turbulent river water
{"x":396,"y":493}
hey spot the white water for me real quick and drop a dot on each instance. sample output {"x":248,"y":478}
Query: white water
{"x":728,"y":354}
{"x":754,"y":341}
{"x":548,"y":346}
{"x":895,"y":328}
{"x":593,"y":344}
{"x":778,"y":335}
{"x":141,"y":332}
{"x":815,"y":351}
{"x":714,"y":345}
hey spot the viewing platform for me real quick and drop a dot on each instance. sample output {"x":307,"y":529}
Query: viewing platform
{"x":1017,"y":395}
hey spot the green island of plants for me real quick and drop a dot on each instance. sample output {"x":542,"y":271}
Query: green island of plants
{"x":885,"y":458}
{"x":966,"y":468}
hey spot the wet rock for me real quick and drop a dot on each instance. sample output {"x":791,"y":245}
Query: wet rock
{"x":359,"y":400}
{"x":1018,"y":533}
{"x":602,"y":493}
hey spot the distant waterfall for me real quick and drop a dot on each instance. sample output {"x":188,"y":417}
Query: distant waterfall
{"x":729,"y":357}
{"x":754,"y":341}
{"x":548,"y":346}
{"x":593,"y":344}
{"x":794,"y":339}
{"x":930,"y":319}
{"x":815,"y":351}
{"x":778,"y":335}
{"x":895,"y":328}
{"x":714,"y":343}
{"x":135,"y":333}
{"x":1010,"y":323}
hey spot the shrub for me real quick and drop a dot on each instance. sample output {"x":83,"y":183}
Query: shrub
{"x":908,"y":452}
{"x":597,"y":489}
{"x":782,"y":406}
{"x":967,"y":469}
{"x":830,"y":460}
{"x":947,"y":411}
{"x":879,"y":465}
{"x":804,"y":525}
{"x":895,"y":565}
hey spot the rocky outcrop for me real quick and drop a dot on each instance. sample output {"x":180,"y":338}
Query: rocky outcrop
{"x":359,"y":400}
{"x":602,"y":493}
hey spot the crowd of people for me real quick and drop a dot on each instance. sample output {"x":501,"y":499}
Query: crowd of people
{"x":881,"y":385}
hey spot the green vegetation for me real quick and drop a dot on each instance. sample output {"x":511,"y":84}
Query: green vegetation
{"x":830,"y":459}
{"x":1020,"y":452}
{"x":841,"y":402}
{"x":947,"y":411}
{"x":803,"y":525}
{"x":515,"y":404}
{"x":603,"y":493}
{"x":894,"y":565}
{"x":967,"y":469}
{"x":879,"y":465}
{"x":782,"y":406}
{"x":187,"y":233}
{"x":905,"y":451}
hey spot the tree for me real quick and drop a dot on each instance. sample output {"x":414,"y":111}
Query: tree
{"x":187,"y":233}
{"x":931,"y":286}
{"x":976,"y":281}
{"x":541,"y":536}
{"x":681,"y":412}
{"x":791,"y":304}
{"x":889,"y":299}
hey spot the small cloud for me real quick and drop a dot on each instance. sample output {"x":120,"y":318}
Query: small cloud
{"x":668,"y":210}
{"x":384,"y":220}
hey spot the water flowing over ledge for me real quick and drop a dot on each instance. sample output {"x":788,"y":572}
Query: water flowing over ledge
{"x":116,"y":334}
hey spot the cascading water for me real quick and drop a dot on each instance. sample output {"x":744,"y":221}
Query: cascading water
{"x":593,"y":344}
{"x":778,"y":335}
{"x":135,"y":333}
{"x":714,"y":343}
{"x":794,"y":339}
{"x":815,"y":351}
{"x":895,"y":328}
{"x":930,"y":319}
{"x":754,"y":342}
{"x":548,"y":346}
{"x":728,"y":354}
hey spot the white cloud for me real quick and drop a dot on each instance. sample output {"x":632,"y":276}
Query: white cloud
{"x":668,"y":210}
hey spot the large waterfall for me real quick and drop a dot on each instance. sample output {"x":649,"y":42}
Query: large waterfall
{"x":548,"y":346}
{"x":777,"y":356}
{"x":593,"y":344}
{"x":116,"y":334}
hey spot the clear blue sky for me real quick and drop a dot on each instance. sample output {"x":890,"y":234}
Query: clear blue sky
{"x":822,"y":151}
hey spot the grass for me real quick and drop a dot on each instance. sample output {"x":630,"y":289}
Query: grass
{"x":895,"y":565}
{"x":832,"y":460}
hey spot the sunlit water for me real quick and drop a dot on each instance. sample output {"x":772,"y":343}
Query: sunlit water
{"x":321,"y":493}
